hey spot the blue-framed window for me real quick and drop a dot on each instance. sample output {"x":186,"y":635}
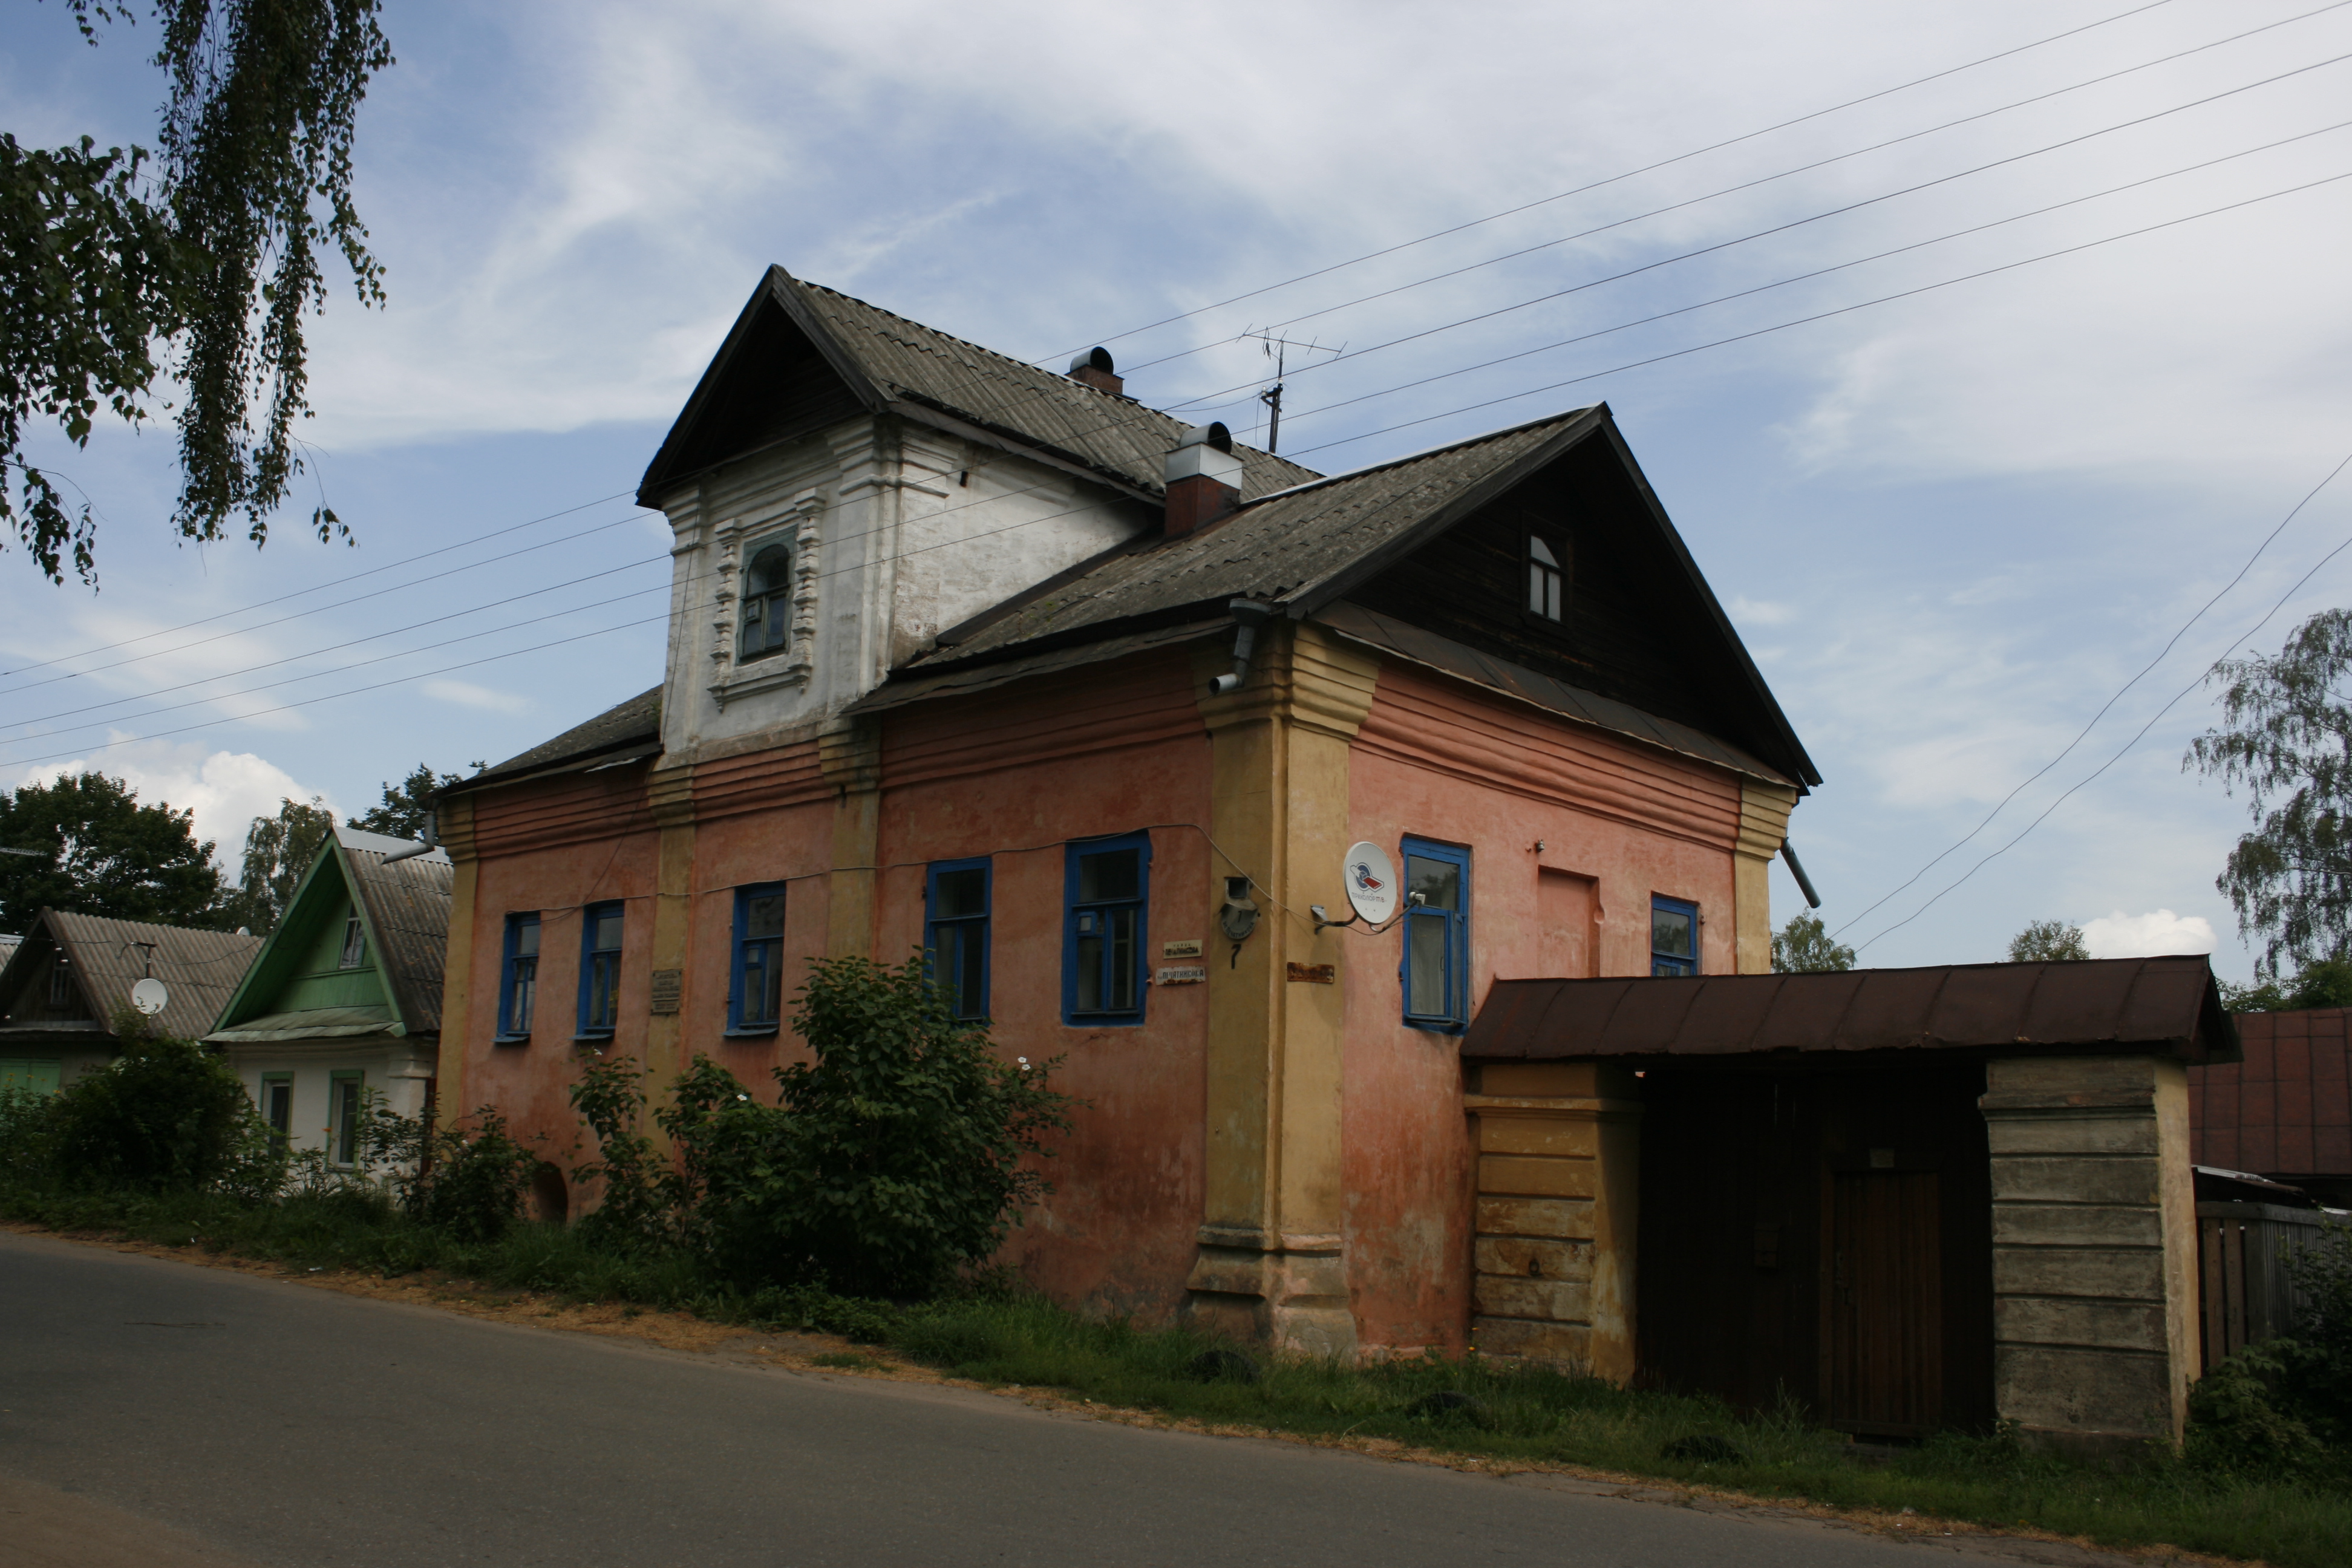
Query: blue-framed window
{"x":755,"y":993}
{"x":600,"y":968}
{"x":955,"y":914}
{"x":1436,"y":963}
{"x":1674,"y":937}
{"x":518,"y":977}
{"x":1107,"y":885}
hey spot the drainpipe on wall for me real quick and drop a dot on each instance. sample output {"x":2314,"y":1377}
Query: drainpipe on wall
{"x":1250,"y":614}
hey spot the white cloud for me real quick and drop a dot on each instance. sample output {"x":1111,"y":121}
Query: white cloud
{"x":466,"y":694}
{"x":2120,"y":935}
{"x":227,"y":790}
{"x":1760,"y":611}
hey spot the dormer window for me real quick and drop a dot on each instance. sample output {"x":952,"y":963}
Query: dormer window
{"x":767,"y":603}
{"x":1543,"y":580}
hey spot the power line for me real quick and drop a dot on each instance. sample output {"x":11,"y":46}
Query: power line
{"x":1805,"y":277}
{"x":1764,"y":233}
{"x":1823,"y":315}
{"x":314,"y":588}
{"x":2161,"y":654}
{"x":1804,"y":168}
{"x":1614,"y":179}
{"x":2204,"y":675}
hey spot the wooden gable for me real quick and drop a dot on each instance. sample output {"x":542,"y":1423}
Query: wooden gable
{"x":300,"y":967}
{"x":28,"y":997}
{"x":1638,"y":623}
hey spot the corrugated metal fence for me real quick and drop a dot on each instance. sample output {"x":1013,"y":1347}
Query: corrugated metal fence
{"x":2243,"y":1288}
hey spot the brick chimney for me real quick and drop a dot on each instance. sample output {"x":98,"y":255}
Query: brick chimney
{"x":1204,"y":479}
{"x":1093,"y":368}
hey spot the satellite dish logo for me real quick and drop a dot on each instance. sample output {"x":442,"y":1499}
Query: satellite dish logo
{"x":1364,"y":877}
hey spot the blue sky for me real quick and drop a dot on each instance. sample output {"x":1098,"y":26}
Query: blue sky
{"x":1950,"y":526}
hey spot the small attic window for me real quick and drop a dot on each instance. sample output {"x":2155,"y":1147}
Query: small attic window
{"x":61,"y":989}
{"x":767,"y":603}
{"x":1543,"y":580}
{"x":354,"y":944}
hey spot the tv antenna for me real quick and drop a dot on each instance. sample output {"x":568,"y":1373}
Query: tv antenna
{"x":1278,"y":350}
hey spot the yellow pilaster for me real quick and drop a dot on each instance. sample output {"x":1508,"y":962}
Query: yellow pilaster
{"x":851,"y":756}
{"x":1764,"y":811}
{"x":670,"y":791}
{"x":1271,"y":1260}
{"x":453,"y":824}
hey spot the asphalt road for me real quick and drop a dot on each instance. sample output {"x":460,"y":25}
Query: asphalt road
{"x":160,"y":1412}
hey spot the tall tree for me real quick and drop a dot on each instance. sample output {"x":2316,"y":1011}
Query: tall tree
{"x":206,"y":253}
{"x":1803,"y":947}
{"x":2285,"y":736}
{"x":102,"y":852}
{"x":407,"y":805}
{"x":277,"y":850}
{"x":2044,"y":941}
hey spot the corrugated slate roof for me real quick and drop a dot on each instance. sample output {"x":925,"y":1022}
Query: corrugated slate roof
{"x":408,"y":913}
{"x":2101,"y":1005}
{"x":1282,"y":548}
{"x":622,"y":727}
{"x":2286,"y":1110}
{"x":1104,"y":430}
{"x":200,"y":969}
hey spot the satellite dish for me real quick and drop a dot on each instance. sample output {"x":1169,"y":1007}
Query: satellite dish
{"x":149,"y":996}
{"x":1371,"y":881}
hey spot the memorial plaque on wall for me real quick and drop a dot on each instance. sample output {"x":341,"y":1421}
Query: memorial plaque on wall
{"x":668,"y":985}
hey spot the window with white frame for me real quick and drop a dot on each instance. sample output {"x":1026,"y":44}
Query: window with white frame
{"x":1544,"y":580}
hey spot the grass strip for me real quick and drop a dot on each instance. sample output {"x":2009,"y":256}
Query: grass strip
{"x":1470,"y":1405}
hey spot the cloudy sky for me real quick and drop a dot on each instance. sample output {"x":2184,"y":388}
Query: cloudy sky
{"x":1966,"y":395}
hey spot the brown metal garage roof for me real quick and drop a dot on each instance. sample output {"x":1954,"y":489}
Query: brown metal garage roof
{"x":2167,"y":1005}
{"x":2286,"y":1110}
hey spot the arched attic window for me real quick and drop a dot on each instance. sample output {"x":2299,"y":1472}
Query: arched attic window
{"x":767,"y":603}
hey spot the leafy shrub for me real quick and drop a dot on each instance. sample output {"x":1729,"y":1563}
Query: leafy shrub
{"x":473,"y":1186}
{"x":891,"y":1161}
{"x":27,"y":1136}
{"x":2323,"y":1367}
{"x":639,"y":1208}
{"x":165,"y":1116}
{"x":2235,"y":1422}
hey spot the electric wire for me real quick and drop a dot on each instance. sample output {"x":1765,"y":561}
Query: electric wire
{"x":2202,"y":677}
{"x":1759,"y":234}
{"x":2161,"y":654}
{"x":1825,"y":315}
{"x":1614,"y":179}
{"x":1798,"y":278}
{"x":314,"y":588}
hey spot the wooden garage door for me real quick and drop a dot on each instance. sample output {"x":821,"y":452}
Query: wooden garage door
{"x":1884,"y":1342}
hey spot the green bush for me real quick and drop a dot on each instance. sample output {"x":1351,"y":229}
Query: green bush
{"x":2323,"y":1365}
{"x":165,"y":1116}
{"x":472,"y":1185}
{"x":892,"y":1160}
{"x":2235,"y":1422}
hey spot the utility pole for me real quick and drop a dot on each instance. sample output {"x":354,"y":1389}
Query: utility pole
{"x":1278,"y":350}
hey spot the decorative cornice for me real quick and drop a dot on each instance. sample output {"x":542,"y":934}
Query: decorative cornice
{"x":1764,"y":811}
{"x":849,"y":752}
{"x":1301,"y":675}
{"x":670,"y":794}
{"x":454,"y":824}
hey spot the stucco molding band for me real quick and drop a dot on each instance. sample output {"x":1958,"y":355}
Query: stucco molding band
{"x":1764,"y":811}
{"x":1552,"y":1265}
{"x":2095,"y":1240}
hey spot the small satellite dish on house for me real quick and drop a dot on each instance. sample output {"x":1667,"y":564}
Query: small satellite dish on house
{"x":149,"y":996}
{"x":1372,"y":883}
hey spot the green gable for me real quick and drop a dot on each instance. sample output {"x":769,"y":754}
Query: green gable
{"x":301,"y":969}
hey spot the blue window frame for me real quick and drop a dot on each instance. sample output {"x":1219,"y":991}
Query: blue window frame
{"x":519,"y":978}
{"x":600,"y":968}
{"x":1436,"y":962}
{"x":955,"y":913}
{"x":1674,"y":937}
{"x":1106,"y":886}
{"x":755,"y":993}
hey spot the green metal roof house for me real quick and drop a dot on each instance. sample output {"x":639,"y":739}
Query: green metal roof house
{"x":345,"y":997}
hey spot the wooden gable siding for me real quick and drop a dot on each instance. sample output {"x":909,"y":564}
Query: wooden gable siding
{"x":315,"y":977}
{"x":575,"y":808}
{"x":1129,"y":702}
{"x":31,"y":1003}
{"x":778,"y":387}
{"x":1631,"y":629}
{"x":763,"y":780}
{"x":1431,"y":723}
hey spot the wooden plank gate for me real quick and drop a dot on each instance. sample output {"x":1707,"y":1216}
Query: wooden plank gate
{"x":2244,"y":1293}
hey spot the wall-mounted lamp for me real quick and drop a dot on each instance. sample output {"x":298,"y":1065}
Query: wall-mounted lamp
{"x":1238,"y":919}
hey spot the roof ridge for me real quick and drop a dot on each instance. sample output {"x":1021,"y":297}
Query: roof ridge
{"x":1421,"y":456}
{"x":1001,"y":358}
